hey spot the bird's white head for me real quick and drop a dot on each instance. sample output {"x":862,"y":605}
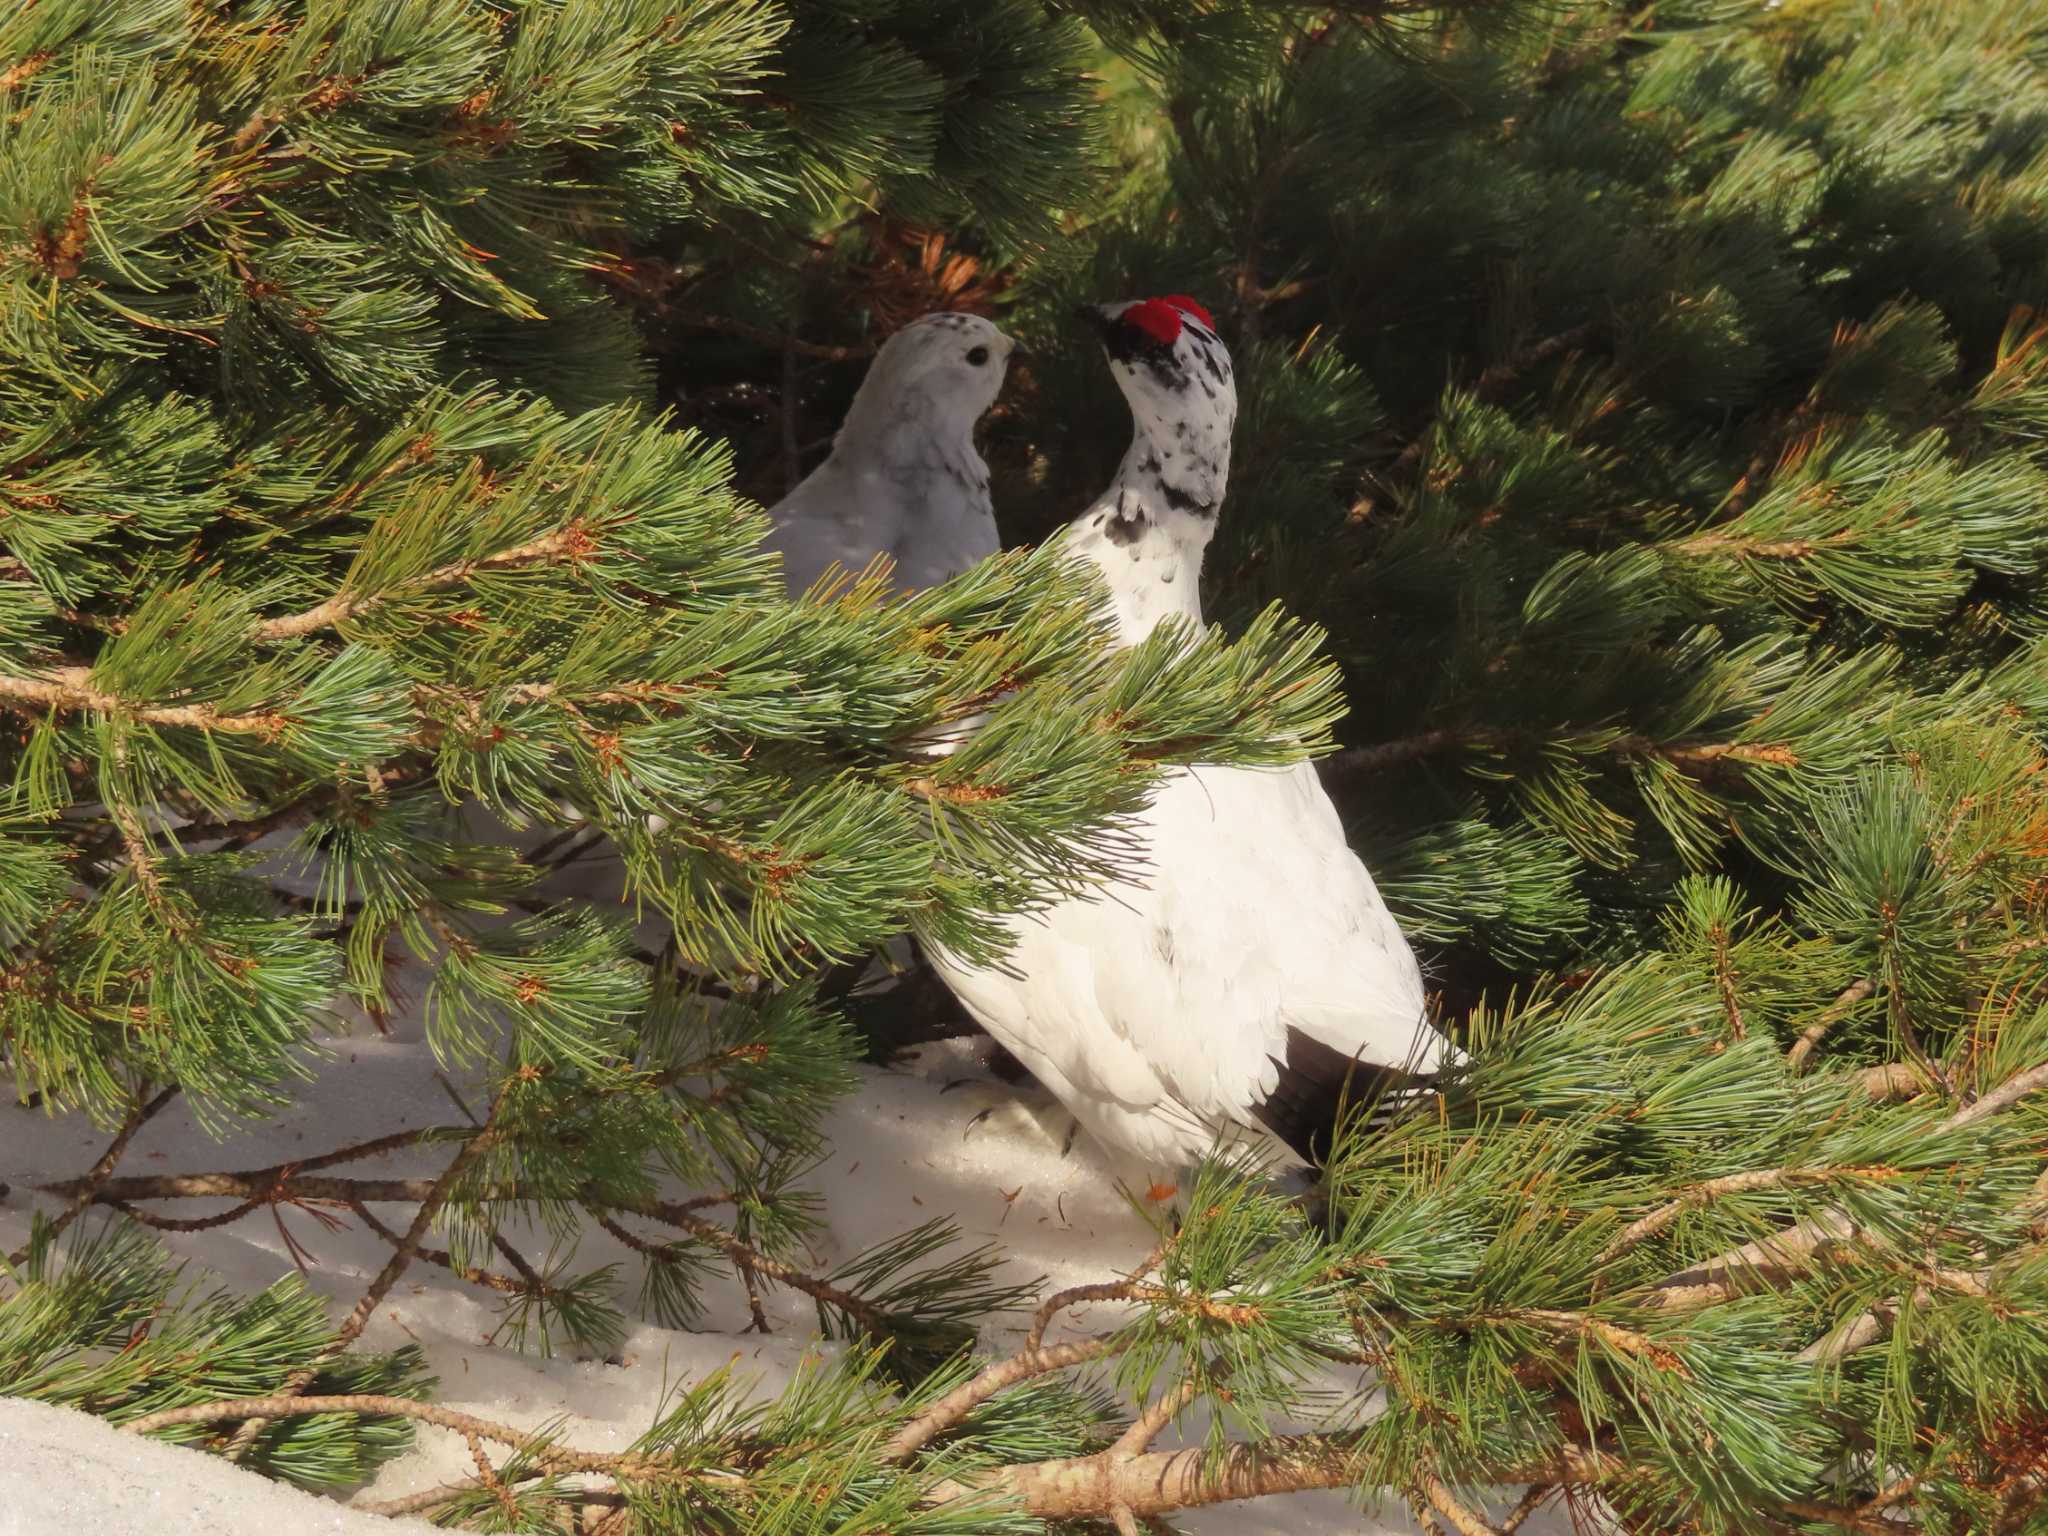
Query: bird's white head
{"x":1175,"y":372}
{"x":941,"y":372}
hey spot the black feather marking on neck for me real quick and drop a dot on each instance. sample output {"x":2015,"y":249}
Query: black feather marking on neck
{"x":1169,"y":371}
{"x":1181,"y":501}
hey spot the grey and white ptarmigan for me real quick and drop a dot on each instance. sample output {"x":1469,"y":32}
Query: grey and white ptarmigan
{"x":1245,"y":977}
{"x":903,"y":478}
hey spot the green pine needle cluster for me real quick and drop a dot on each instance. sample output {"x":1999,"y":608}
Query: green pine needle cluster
{"x":113,"y":1329}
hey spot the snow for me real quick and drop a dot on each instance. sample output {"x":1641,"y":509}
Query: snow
{"x":906,"y":1147}
{"x":70,"y":1471}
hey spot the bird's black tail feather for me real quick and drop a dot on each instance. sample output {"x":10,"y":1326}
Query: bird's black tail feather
{"x":1320,"y":1086}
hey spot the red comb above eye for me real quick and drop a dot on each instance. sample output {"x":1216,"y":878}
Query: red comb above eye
{"x":1156,"y":318}
{"x":1188,"y":306}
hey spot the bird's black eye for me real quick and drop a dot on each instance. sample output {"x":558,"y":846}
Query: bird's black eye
{"x":978,"y":356}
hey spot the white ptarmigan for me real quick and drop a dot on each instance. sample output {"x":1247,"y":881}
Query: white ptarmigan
{"x":1245,"y":977}
{"x":903,"y":478}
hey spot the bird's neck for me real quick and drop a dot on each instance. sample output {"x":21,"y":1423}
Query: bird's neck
{"x":908,"y":436}
{"x":1148,"y":531}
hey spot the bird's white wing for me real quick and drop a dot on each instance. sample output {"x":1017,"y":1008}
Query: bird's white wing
{"x":1273,"y":947}
{"x":929,"y":521}
{"x":1241,"y":980}
{"x":833,"y":516}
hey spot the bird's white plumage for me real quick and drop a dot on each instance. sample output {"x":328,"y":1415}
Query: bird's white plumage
{"x":1159,"y":1010}
{"x":1183,"y":1004}
{"x":903,"y":478}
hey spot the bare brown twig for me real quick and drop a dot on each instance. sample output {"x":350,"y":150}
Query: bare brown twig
{"x":89,"y":1188}
{"x":1527,"y":1505}
{"x":489,"y":1279}
{"x":401,"y":1257}
{"x":748,"y":1259}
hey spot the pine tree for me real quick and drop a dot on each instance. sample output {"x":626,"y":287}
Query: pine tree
{"x":337,"y":520}
{"x":1646,"y":400}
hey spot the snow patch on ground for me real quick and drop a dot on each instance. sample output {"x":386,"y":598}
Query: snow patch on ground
{"x":68,"y":1471}
{"x":913,"y":1143}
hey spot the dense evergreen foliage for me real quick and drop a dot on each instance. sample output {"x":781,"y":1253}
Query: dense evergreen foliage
{"x":1647,"y":400}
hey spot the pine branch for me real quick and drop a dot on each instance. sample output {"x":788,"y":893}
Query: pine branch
{"x":2000,"y":1098}
{"x":1362,"y":760}
{"x":241,"y":833}
{"x":1810,"y":1037}
{"x":1730,"y":1184}
{"x":1492,"y":384}
{"x":304,"y":806}
{"x":528,"y":1284}
{"x":1626,"y":1341}
{"x":1153,"y":1484}
{"x":1448,"y":1505}
{"x":568,"y":545}
{"x":1161,"y":1482}
{"x":1151,"y":1424}
{"x":487,"y":1476}
{"x":283,"y":1186}
{"x":69,"y":689}
{"x":743,"y":1257}
{"x":1777,"y":446}
{"x":1527,"y":1505}
{"x":1697,"y":758}
{"x":1894,"y":1080}
{"x":1794,"y":1248}
{"x":401,"y":1257}
{"x":291,"y":1404}
{"x":437,"y":1196}
{"x":956,"y":1405}
{"x":1863,"y":1330}
{"x":434,"y":1498}
{"x":1849,"y":1519}
{"x":1033,"y":1360}
{"x":141,"y":861}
